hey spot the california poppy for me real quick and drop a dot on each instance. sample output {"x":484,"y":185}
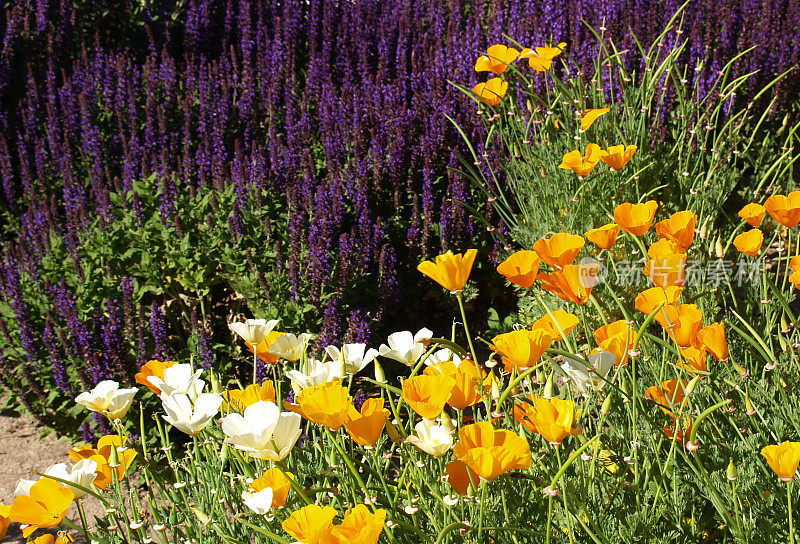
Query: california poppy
{"x":468,"y":382}
{"x":451,"y":271}
{"x":581,"y":165}
{"x":238,"y":399}
{"x":556,"y":322}
{"x":635,"y":218}
{"x":520,"y":268}
{"x":554,"y":419}
{"x":749,"y":242}
{"x":522,"y":348}
{"x":618,"y":338}
{"x":590,"y":116}
{"x":667,"y":271}
{"x":278,"y":482}
{"x":679,"y":228}
{"x":683,"y":323}
{"x":617,"y":156}
{"x":784,"y":209}
{"x":712,"y":338}
{"x":783,"y":459}
{"x":753,"y":213}
{"x":491,"y":92}
{"x":560,"y":249}
{"x":326,"y":404}
{"x":542,"y":58}
{"x":45,"y":506}
{"x":496,"y":59}
{"x":460,"y":476}
{"x":604,"y":237}
{"x":427,"y":394}
{"x":572,"y":283}
{"x":310,"y":524}
{"x":365,"y":427}
{"x":155,"y":368}
{"x":668,"y":396}
{"x":490,"y":452}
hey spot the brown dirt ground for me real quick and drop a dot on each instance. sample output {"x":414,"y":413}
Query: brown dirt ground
{"x":25,"y":448}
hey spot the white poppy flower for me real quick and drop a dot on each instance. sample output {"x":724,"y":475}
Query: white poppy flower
{"x":253,"y":331}
{"x":284,"y":437}
{"x":179,"y":379}
{"x":584,"y":379}
{"x":404,"y":347}
{"x":289,"y":346}
{"x":318,"y":372}
{"x":441,"y":356}
{"x":188,"y":418}
{"x":259,"y":502}
{"x":23,"y":487}
{"x":252,"y":431}
{"x":432,"y":438}
{"x":108,"y":399}
{"x":353,"y":356}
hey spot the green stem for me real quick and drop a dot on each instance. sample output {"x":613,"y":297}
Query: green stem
{"x":791,"y":519}
{"x":466,"y":331}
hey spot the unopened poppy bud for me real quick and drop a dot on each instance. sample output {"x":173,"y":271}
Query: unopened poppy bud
{"x":718,"y":250}
{"x":216,"y":387}
{"x":605,"y":409}
{"x":743,"y":372}
{"x":785,"y":325}
{"x":380,"y":377}
{"x":447,"y":422}
{"x":550,"y":389}
{"x":495,"y":386}
{"x":623,"y":386}
{"x":691,"y":385}
{"x":704,"y":229}
{"x":539,"y":376}
{"x":223,"y":453}
{"x":113,"y":460}
{"x":201,"y":516}
{"x":391,"y":430}
{"x":732,"y":473}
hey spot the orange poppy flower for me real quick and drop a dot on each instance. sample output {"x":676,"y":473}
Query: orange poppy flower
{"x":109,"y":452}
{"x":554,"y":419}
{"x":590,"y":116}
{"x":794,"y":278}
{"x":668,"y":396}
{"x":520,"y":268}
{"x":635,"y":218}
{"x":460,"y":476}
{"x":783,"y":459}
{"x":572,"y":283}
{"x":693,"y":358}
{"x":541,"y":59}
{"x":749,"y":242}
{"x":712,"y":338}
{"x":496,"y":59}
{"x":49,"y":539}
{"x":683,"y":323}
{"x":451,"y":271}
{"x":663,"y":248}
{"x":679,"y":430}
{"x":581,"y":165}
{"x":279,"y":483}
{"x":617,"y":156}
{"x":152,"y":368}
{"x":650,"y":299}
{"x":427,"y":394}
{"x":468,"y":383}
{"x":489,"y":452}
{"x":555,"y":322}
{"x":753,"y":213}
{"x":784,"y":209}
{"x":560,"y":249}
{"x":523,"y":348}
{"x":237,"y":399}
{"x":5,"y":519}
{"x":45,"y":506}
{"x":604,"y":237}
{"x":679,"y":228}
{"x":365,"y":427}
{"x":262,"y":349}
{"x":311,"y":524}
{"x":666,"y":271}
{"x":491,"y":92}
{"x":326,"y":404}
{"x":618,"y":338}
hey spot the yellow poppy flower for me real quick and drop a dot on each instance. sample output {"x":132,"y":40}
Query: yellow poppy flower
{"x":572,"y":283}
{"x":554,"y":419}
{"x":617,"y":156}
{"x":326,"y":404}
{"x":542,"y":58}
{"x":427,"y":394}
{"x":365,"y":427}
{"x":753,"y":213}
{"x":467,"y":389}
{"x":237,"y":399}
{"x":489,"y":452}
{"x":523,"y":348}
{"x":679,"y":228}
{"x":359,"y":526}
{"x":280,"y":485}
{"x":311,"y":524}
{"x":45,"y":506}
{"x":555,"y":322}
{"x":520,"y":268}
{"x":560,"y":249}
{"x":152,"y":368}
{"x":712,"y":338}
{"x":749,"y":242}
{"x":604,"y":237}
{"x":590,"y":116}
{"x":581,"y":165}
{"x":496,"y":59}
{"x":491,"y":92}
{"x":451,"y":271}
{"x":668,"y":396}
{"x":783,"y":459}
{"x":635,"y":218}
{"x":784,"y":209}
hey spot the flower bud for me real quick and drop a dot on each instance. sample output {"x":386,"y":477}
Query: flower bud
{"x":718,"y":250}
{"x":743,"y":372}
{"x":550,"y":388}
{"x":691,"y":385}
{"x":495,"y":386}
{"x":731,"y":471}
{"x":605,"y":409}
{"x":380,"y":377}
{"x":751,"y":410}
